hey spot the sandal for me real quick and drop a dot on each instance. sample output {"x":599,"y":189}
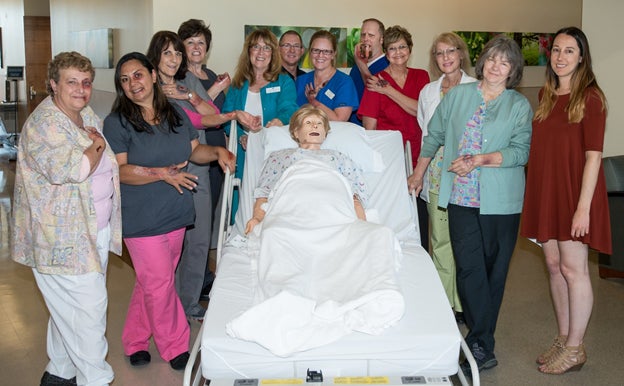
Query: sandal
{"x":558,"y":343}
{"x":567,"y":358}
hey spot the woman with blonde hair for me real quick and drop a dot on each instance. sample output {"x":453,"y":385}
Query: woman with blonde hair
{"x":566,"y":206}
{"x":259,"y":88}
{"x":448,"y":61}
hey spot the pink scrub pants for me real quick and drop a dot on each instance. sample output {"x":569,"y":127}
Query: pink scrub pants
{"x":155,"y":308}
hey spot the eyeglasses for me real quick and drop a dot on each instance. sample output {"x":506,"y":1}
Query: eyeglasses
{"x":258,"y":47}
{"x":318,"y":51}
{"x":448,"y":52}
{"x":288,"y":46}
{"x":392,"y":50}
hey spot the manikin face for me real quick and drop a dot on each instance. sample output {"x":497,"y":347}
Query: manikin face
{"x":291,"y":49}
{"x":565,"y":56}
{"x":447,"y":58}
{"x":73,"y":90}
{"x":170,"y":61}
{"x":137,"y":82}
{"x":312,"y":133}
{"x":196,"y":49}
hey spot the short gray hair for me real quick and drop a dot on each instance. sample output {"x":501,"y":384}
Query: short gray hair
{"x":506,"y":47}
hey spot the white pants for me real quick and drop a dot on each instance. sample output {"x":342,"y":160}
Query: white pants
{"x":77,"y":305}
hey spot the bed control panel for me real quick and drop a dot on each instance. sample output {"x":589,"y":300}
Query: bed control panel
{"x":246,"y":382}
{"x":420,"y":380}
{"x":314,"y":376}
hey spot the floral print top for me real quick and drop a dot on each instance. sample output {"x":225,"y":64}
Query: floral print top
{"x":54,"y":218}
{"x":465,"y":190}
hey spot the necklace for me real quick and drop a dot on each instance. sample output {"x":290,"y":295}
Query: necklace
{"x":78,"y":122}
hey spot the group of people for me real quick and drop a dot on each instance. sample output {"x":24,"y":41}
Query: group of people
{"x":151,"y":173}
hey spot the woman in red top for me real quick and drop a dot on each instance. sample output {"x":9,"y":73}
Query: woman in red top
{"x":565,"y":204}
{"x":390,"y":100}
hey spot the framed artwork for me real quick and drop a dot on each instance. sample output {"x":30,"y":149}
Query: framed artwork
{"x":97,"y":45}
{"x":534,"y":45}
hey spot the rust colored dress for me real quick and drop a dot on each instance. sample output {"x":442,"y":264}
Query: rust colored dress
{"x":555,"y":172}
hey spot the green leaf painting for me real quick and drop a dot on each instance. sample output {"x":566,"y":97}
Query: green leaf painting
{"x":534,"y":46}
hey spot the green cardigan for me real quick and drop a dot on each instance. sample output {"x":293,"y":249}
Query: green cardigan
{"x":506,"y":128}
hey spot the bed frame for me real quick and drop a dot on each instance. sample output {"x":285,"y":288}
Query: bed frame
{"x":193,"y":372}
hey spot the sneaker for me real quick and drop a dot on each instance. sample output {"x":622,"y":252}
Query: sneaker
{"x":140,"y":358}
{"x":197,"y":314}
{"x":179,"y":362}
{"x":52,"y":380}
{"x":485,"y":360}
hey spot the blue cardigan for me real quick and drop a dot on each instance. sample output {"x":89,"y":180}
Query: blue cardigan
{"x":506,"y":128}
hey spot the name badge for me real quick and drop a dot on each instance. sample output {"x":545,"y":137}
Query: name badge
{"x":329,"y":94}
{"x":271,"y":90}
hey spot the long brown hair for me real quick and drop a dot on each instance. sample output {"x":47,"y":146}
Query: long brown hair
{"x":244,"y":69}
{"x":583,"y":78}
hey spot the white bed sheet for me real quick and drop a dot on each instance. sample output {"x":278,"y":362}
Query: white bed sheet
{"x":425,"y":342}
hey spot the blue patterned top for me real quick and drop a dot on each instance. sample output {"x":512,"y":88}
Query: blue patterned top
{"x":465,"y":191}
{"x":281,"y":160}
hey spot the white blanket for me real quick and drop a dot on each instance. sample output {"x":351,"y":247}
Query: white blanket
{"x":321,"y":273}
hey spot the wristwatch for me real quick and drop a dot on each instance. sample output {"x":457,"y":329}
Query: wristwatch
{"x":190,"y":95}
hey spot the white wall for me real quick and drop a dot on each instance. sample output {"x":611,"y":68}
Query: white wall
{"x":135,"y":22}
{"x":131,"y":21}
{"x":424,"y":20}
{"x":601,"y":20}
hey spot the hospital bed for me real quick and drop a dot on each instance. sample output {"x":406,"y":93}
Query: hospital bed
{"x":422,"y":348}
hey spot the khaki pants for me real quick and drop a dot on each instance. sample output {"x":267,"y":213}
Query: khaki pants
{"x":441,"y":251}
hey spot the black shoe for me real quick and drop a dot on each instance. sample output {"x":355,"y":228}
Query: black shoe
{"x":459,"y":317}
{"x":52,"y":380}
{"x":485,"y":360}
{"x":179,"y":362}
{"x":140,"y":358}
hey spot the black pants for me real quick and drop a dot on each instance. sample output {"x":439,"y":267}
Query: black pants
{"x":482,"y":245}
{"x":423,"y":222}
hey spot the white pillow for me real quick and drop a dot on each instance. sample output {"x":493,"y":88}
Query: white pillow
{"x":345,"y":137}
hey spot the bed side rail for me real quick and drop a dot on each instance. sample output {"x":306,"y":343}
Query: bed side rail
{"x":229,"y":183}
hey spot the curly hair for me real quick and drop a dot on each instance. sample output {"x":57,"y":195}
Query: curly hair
{"x":63,"y":61}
